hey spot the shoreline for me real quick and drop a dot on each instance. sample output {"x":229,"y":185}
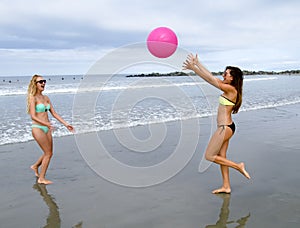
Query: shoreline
{"x":266,"y":140}
{"x":158,"y":122}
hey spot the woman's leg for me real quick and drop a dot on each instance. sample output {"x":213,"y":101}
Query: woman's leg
{"x":45,"y":142}
{"x":36,"y":165}
{"x":225,"y":172}
{"x":214,"y":147}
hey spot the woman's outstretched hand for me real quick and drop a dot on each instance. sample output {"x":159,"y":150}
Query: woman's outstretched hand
{"x":70,"y":128}
{"x":190,"y":62}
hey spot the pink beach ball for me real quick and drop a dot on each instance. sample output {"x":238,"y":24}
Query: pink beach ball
{"x":162,"y":42}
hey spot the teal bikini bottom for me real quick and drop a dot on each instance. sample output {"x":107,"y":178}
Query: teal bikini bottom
{"x":43,"y":128}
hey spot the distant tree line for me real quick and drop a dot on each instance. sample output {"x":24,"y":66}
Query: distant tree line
{"x":246,"y":72}
{"x":261,"y":72}
{"x":176,"y":73}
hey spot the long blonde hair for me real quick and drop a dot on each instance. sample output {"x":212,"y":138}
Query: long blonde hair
{"x":31,"y":91}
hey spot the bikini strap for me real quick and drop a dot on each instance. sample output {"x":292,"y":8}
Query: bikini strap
{"x":223,"y":127}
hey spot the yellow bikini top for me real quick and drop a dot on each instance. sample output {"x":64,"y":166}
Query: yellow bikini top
{"x":225,"y":101}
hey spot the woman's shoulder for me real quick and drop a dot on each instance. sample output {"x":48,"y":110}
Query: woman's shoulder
{"x":227,"y":88}
{"x":230,"y":93}
{"x":47,"y":99}
{"x":32,"y":98}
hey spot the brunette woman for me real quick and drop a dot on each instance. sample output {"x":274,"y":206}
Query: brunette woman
{"x":229,"y":103}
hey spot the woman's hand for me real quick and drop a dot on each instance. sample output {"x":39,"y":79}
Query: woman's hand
{"x":50,"y":126}
{"x":191,"y":62}
{"x":70,"y":128}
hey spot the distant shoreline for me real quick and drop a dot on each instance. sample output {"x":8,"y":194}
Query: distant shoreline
{"x":246,"y":72}
{"x":177,"y":73}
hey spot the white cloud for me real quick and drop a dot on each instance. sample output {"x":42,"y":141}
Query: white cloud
{"x":220,"y":30}
{"x":48,"y":62}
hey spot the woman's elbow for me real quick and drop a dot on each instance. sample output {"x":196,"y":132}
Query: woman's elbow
{"x":33,"y":117}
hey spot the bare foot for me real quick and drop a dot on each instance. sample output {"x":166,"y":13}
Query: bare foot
{"x":35,"y":169}
{"x":44,"y":181}
{"x":222,"y":190}
{"x":243,"y":170}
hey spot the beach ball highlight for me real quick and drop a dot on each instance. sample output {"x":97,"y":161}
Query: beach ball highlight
{"x":162,"y":42}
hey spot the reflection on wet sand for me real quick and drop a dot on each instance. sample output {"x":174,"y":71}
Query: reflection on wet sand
{"x":53,"y":219}
{"x":224,"y":215}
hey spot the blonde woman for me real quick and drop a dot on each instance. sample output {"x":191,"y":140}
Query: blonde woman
{"x":229,"y":103}
{"x":38,"y":106}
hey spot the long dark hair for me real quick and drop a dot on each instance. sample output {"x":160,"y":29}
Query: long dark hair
{"x":237,"y":83}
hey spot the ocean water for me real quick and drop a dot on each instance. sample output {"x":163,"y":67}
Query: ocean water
{"x":120,"y":101}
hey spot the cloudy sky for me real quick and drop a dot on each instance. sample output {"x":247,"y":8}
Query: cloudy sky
{"x":68,"y":36}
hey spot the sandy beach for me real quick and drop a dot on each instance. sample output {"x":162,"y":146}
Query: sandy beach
{"x":267,"y":140}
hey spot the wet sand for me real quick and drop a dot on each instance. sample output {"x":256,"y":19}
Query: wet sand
{"x":266,"y":140}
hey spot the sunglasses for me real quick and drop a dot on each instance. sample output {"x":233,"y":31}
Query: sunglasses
{"x":41,"y":81}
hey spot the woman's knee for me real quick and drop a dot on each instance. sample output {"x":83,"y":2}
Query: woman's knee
{"x":209,"y":156}
{"x":48,"y":155}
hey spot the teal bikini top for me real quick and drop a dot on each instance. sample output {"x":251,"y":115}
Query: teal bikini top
{"x":42,"y":108}
{"x":225,"y":101}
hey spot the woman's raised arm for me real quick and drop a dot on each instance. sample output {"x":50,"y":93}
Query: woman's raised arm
{"x":192,"y":63}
